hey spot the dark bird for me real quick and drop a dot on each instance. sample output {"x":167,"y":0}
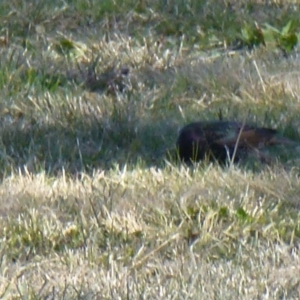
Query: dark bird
{"x":223,"y":140}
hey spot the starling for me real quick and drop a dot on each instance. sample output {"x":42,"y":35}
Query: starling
{"x":223,"y":140}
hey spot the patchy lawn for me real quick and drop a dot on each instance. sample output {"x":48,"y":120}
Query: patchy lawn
{"x":94,"y":205}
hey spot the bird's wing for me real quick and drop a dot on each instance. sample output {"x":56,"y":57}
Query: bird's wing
{"x":240,"y":138}
{"x":253,"y":137}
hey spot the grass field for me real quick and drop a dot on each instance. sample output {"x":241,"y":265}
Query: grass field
{"x":94,"y":204}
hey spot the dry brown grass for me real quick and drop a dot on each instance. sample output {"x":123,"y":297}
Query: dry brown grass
{"x":91,"y":205}
{"x":168,"y":233}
